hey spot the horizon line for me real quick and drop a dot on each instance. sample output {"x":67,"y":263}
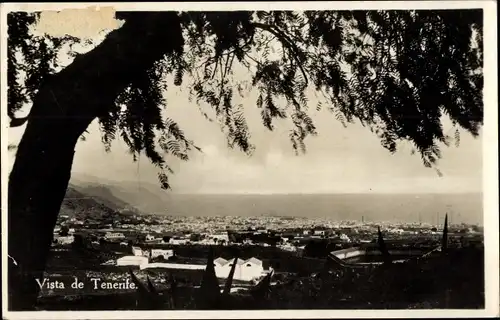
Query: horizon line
{"x":322,"y":193}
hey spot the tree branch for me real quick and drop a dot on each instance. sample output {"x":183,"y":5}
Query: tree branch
{"x":284,"y":39}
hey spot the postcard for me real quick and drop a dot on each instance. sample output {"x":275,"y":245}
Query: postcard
{"x":249,"y":160}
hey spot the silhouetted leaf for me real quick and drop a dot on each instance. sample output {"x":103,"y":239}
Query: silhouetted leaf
{"x":444,"y":241}
{"x":209,"y":292}
{"x":229,"y":280}
{"x":383,"y":249}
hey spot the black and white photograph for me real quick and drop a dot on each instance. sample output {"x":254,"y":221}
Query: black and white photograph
{"x":243,"y":157}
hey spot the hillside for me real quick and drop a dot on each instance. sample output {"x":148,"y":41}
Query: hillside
{"x":81,"y":205}
{"x":102,"y":195}
{"x":133,"y":196}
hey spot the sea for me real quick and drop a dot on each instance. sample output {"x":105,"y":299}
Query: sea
{"x":407,"y":208}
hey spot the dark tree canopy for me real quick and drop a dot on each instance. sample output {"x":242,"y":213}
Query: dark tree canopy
{"x":396,"y":72}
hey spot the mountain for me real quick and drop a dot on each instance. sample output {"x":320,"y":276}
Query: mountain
{"x":122,"y":195}
{"x":80,"y":205}
{"x":102,"y":195}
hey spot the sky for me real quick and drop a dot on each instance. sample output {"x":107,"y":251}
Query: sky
{"x":338,"y":160}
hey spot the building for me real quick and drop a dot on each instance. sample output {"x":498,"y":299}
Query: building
{"x":220,"y":237}
{"x":65,"y":240}
{"x":207,"y":241}
{"x":319,"y":232}
{"x":176,"y":266}
{"x":345,"y":238}
{"x":287,"y":247}
{"x":137,"y":251}
{"x":348,"y":253}
{"x":132,"y":261}
{"x":162,"y":252}
{"x":114,"y":235}
{"x":219,"y":262}
{"x":245,"y":270}
{"x":150,"y":237}
{"x":177,"y":241}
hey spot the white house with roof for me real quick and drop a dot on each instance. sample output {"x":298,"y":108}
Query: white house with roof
{"x":219,"y":262}
{"x":137,"y":251}
{"x":246,"y":270}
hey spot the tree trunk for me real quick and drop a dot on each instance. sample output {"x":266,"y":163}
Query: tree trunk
{"x":64,"y":107}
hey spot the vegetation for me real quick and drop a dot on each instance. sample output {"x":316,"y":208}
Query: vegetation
{"x":452,"y":279}
{"x":396,"y":72}
{"x":64,"y":231}
{"x":390,"y":285}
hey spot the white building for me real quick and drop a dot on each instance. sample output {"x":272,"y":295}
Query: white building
{"x":220,"y":237}
{"x":132,"y":261}
{"x":319,"y":232}
{"x":114,"y":235}
{"x":137,"y":251}
{"x":246,"y":270}
{"x":176,"y":266}
{"x":287,"y":247}
{"x":178,"y":241}
{"x":65,"y":240}
{"x":207,"y":241}
{"x":162,"y":252}
{"x":345,"y":238}
{"x":396,"y":231}
{"x":219,"y":262}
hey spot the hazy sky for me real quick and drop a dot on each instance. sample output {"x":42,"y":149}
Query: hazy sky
{"x":337,"y":160}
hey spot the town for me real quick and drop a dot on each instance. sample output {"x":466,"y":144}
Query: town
{"x":152,"y":245}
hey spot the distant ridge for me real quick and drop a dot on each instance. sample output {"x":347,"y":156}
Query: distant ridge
{"x":151,"y":199}
{"x":102,"y":195}
{"x":82,"y":206}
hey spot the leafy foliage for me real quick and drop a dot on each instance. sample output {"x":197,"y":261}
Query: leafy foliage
{"x":396,"y":72}
{"x":30,"y":60}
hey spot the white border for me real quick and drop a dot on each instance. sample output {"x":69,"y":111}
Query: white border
{"x":490,"y":160}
